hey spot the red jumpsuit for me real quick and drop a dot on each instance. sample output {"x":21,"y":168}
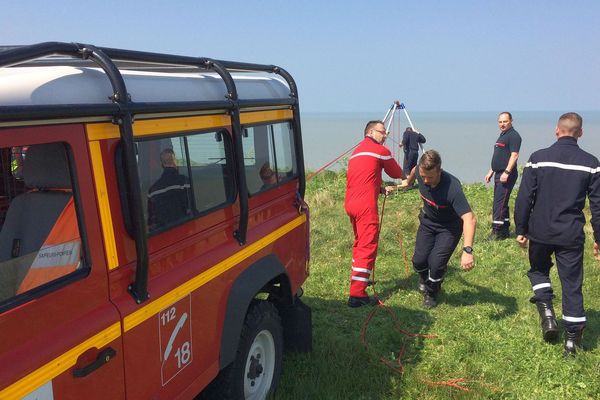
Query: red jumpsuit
{"x":362,"y":188}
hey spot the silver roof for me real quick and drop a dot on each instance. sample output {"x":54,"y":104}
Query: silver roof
{"x":54,"y":85}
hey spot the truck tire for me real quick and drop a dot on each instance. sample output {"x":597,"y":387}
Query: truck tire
{"x":257,"y":366}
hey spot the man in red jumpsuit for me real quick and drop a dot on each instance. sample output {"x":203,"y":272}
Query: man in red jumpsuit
{"x":362,"y":188}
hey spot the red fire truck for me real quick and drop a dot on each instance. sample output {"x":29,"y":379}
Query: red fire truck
{"x":154,"y":238}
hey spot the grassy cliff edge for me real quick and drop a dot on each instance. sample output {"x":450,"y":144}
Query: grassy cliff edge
{"x":486,"y":330}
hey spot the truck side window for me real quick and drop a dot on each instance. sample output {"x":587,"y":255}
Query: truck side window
{"x":285,"y":153}
{"x":212,"y":173}
{"x":269,"y":156}
{"x":40,"y":240}
{"x":165,"y":181}
{"x":184,"y":177}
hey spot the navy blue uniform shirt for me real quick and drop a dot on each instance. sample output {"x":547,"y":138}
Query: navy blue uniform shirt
{"x":555,"y":183}
{"x":411,"y":141}
{"x":508,"y":142}
{"x":445,"y":203}
{"x":168,"y":199}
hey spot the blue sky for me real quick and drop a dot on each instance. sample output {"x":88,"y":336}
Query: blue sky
{"x":358,"y":55}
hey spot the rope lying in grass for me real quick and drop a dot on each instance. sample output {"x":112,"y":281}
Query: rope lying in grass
{"x":396,"y":365}
{"x":403,"y":251}
{"x":454,"y":383}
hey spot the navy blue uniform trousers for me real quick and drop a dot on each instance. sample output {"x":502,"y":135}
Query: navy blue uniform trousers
{"x":410,"y":161}
{"x":501,"y":213}
{"x":433,"y":248}
{"x":569,"y":262}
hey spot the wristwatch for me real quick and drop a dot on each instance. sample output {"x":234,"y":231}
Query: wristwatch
{"x":468,"y":249}
{"x":507,"y":172}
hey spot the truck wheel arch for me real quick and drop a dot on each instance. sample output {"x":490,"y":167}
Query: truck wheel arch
{"x":264,"y":272}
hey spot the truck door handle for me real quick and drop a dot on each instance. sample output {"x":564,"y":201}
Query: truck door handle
{"x":102,"y":358}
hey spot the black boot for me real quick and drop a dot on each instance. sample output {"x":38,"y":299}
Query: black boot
{"x":572,"y":341}
{"x":498,"y":235}
{"x":548,"y":321}
{"x":356,"y":302}
{"x":429,"y":300}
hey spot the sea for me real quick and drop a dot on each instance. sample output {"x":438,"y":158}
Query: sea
{"x":464,"y":140}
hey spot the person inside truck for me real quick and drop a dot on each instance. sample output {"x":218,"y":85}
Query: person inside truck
{"x":267,"y":175}
{"x":169,"y":197}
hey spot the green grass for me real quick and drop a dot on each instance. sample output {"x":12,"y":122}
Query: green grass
{"x":487,"y":331}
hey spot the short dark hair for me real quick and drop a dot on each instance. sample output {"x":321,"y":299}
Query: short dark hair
{"x":371,"y":125}
{"x":570,"y":122}
{"x":265,"y":171}
{"x":507,"y":113}
{"x":430,"y":160}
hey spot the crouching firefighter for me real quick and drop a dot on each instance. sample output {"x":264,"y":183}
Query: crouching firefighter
{"x":548,"y":216}
{"x":362,"y":189}
{"x":444,"y":216}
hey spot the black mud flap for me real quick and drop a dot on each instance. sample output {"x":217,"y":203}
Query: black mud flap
{"x":297,"y":326}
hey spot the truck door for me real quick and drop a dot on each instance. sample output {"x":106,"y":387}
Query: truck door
{"x":60,"y":337}
{"x":187,"y":180}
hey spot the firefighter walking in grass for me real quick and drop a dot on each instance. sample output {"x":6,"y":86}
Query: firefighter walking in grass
{"x":362,"y":189}
{"x":548,"y":215}
{"x":445,"y":215}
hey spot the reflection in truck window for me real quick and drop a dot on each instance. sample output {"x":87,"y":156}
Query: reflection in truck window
{"x":169,"y":197}
{"x":184,"y":176}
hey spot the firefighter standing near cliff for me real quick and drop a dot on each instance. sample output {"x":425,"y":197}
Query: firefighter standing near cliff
{"x":362,"y":189}
{"x":504,"y":171}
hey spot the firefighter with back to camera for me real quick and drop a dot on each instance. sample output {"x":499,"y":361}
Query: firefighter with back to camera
{"x":549,"y":217}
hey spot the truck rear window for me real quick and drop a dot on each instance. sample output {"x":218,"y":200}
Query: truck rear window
{"x":40,"y":241}
{"x":269,"y":155}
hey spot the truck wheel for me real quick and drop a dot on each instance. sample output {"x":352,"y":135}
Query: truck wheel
{"x":257,"y":366}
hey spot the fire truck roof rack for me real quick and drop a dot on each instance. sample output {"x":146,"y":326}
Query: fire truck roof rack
{"x":116,"y":65}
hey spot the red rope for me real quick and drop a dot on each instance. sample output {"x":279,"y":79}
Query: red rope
{"x":403,"y":251}
{"x":454,"y":383}
{"x":330,"y":163}
{"x":381,"y":303}
{"x":396,"y":365}
{"x":378,"y":232}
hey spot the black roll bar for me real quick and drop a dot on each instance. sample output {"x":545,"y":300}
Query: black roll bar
{"x":236,"y":127}
{"x":20,"y":55}
{"x":297,"y":129}
{"x":139,"y":287}
{"x":122,"y":110}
